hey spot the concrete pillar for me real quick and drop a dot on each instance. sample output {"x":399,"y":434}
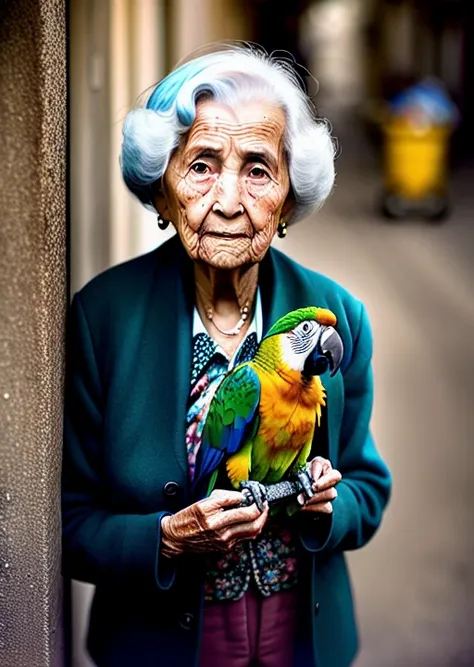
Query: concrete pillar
{"x":32,"y":315}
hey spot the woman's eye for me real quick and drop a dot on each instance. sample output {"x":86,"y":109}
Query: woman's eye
{"x":258,"y":172}
{"x":200,"y":168}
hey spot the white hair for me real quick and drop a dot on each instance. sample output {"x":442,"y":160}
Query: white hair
{"x":230,"y":76}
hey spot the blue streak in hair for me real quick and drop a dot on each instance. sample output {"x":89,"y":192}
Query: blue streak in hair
{"x":165,"y":93}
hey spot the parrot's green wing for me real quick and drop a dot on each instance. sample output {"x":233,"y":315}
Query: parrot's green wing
{"x":231,"y":419}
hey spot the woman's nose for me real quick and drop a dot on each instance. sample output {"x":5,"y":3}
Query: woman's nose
{"x":228,"y":201}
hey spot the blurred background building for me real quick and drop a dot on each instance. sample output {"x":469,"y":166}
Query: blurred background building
{"x":414,"y":583}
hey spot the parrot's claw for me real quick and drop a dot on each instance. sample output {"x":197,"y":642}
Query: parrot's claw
{"x":306,"y":483}
{"x":254,"y":492}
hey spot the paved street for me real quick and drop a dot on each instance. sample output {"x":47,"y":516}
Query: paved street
{"x":414,"y":584}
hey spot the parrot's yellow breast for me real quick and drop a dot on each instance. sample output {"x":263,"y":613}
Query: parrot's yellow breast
{"x":289,"y":409}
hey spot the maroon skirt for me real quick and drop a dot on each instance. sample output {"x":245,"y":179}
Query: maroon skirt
{"x":251,"y":632}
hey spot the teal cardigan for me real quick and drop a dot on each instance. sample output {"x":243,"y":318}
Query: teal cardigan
{"x":125,"y":464}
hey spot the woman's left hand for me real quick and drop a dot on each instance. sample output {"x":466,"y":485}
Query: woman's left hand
{"x":325,"y":478}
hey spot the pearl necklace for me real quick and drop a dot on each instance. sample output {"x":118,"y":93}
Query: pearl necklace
{"x":244,"y":313}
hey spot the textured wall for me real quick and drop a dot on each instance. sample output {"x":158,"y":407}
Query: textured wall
{"x":32,"y":310}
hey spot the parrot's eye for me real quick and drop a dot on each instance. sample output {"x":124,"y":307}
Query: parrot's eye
{"x":306,"y":327}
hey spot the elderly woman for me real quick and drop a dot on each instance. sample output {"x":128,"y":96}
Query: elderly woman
{"x":227,"y":149}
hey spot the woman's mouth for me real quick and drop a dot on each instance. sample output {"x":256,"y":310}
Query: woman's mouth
{"x":225,"y":235}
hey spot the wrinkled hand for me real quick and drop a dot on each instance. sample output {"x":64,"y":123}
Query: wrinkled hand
{"x":209,"y":525}
{"x":325,"y":478}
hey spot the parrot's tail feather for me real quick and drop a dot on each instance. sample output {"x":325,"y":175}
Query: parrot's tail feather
{"x":209,"y":462}
{"x":206,"y":466}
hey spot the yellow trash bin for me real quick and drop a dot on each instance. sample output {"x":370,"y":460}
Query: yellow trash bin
{"x":415,"y":169}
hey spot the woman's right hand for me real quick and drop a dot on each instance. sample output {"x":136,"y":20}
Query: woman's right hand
{"x":211,"y":525}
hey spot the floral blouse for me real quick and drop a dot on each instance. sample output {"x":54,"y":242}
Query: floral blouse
{"x":270,"y":559}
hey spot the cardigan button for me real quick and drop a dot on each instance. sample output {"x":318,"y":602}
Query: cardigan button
{"x":171,"y":488}
{"x":186,"y":620}
{"x":316,"y":609}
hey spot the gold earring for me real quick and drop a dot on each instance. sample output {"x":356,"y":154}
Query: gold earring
{"x":162,"y":224}
{"x":282,"y":229}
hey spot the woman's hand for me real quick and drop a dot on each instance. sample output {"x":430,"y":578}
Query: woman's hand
{"x":325,"y":478}
{"x":211,"y":525}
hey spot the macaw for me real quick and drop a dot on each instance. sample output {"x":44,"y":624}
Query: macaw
{"x":262,"y":417}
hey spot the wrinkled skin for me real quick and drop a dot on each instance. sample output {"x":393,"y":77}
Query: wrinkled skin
{"x":233,"y":158}
{"x":325,"y":478}
{"x":211,"y":525}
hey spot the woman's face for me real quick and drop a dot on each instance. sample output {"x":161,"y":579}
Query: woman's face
{"x":227,"y":184}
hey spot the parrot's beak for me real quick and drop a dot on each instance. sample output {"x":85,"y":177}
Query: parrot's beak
{"x":327,"y":353}
{"x":331,"y":347}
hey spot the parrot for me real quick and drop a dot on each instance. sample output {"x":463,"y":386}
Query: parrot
{"x":262,"y":417}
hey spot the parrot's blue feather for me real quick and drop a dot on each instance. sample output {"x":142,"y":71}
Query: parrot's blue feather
{"x":231,"y":413}
{"x":209,"y":462}
{"x":235,"y":434}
